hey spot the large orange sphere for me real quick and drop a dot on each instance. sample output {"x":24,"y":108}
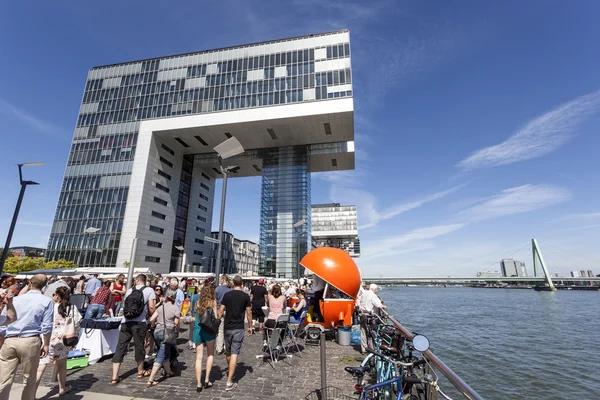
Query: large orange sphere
{"x":334,"y":266}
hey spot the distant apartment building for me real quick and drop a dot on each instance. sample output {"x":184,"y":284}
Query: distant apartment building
{"x":489,"y":274}
{"x":237,"y":256}
{"x":590,"y":273}
{"x":512,"y":267}
{"x":26,"y":251}
{"x":574,"y":274}
{"x":334,"y":225}
{"x":582,"y":273}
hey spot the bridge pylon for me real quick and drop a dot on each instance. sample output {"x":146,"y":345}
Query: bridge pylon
{"x":537,"y":255}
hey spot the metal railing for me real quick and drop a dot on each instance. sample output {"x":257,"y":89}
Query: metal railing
{"x":454,"y":379}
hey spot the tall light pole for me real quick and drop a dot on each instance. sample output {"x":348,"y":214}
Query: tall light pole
{"x":229,"y":148}
{"x":89,"y":231}
{"x":296,"y":226}
{"x":16,"y":213}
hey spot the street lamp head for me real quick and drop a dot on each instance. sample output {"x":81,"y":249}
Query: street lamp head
{"x":229,"y":148}
{"x":91,"y":229}
{"x":32,"y":164}
{"x":29,"y":183}
{"x":180,"y":248}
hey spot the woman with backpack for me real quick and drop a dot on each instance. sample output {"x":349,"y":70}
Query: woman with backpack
{"x":58,"y":351}
{"x":166,"y":321}
{"x":201,"y":337}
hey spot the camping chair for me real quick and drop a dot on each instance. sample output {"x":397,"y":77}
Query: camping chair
{"x":295,"y":332}
{"x":275,"y":336}
{"x":80,"y":301}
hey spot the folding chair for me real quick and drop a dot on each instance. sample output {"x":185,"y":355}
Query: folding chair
{"x":275,"y":346}
{"x":294,"y":332}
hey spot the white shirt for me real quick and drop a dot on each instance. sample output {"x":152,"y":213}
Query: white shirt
{"x":2,"y":319}
{"x":148,"y":295}
{"x":368,"y":301}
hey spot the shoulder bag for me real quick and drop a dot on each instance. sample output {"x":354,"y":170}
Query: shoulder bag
{"x":209,"y":323}
{"x":70,"y":337}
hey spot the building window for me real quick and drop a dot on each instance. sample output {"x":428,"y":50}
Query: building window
{"x":152,"y":243}
{"x":198,"y":229}
{"x":206,"y":176}
{"x":201,"y":218}
{"x":204,"y":186}
{"x":152,"y":259}
{"x":156,"y":229}
{"x":202,"y":196}
{"x":160,"y":201}
{"x":167,"y":149}
{"x":199,"y":241}
{"x":164,"y":174}
{"x":161,"y":187}
{"x":158,"y":215}
{"x":200,"y":206}
{"x":166,"y":162}
{"x":198,"y":252}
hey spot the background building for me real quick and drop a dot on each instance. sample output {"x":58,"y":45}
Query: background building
{"x":334,"y":225}
{"x":574,"y":274}
{"x":142,"y":162}
{"x":237,"y":256}
{"x":590,"y":273}
{"x":26,"y":251}
{"x":510,"y":267}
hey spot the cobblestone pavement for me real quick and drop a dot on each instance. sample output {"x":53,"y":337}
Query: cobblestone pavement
{"x":256,"y":378}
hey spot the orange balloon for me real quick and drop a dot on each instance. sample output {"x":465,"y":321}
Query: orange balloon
{"x":335,"y":267}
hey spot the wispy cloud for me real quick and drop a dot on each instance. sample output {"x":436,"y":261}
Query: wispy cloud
{"x":574,"y":217}
{"x":419,"y":239}
{"x":367,"y":203}
{"x":538,"y":137}
{"x":516,"y":200}
{"x":578,"y":228}
{"x":35,"y":123}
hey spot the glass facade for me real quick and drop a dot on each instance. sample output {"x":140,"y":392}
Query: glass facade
{"x":334,"y":225}
{"x":117,"y":97}
{"x":285,"y":200}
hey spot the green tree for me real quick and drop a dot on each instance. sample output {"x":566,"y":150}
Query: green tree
{"x":14,"y":265}
{"x":59,"y":264}
{"x":10,"y":253}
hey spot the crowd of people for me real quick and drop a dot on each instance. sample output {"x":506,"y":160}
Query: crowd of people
{"x":37,"y":313}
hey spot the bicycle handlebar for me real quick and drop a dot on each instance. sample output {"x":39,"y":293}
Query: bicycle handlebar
{"x":396,"y":362}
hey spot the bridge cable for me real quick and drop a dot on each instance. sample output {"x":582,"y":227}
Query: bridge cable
{"x":515,"y":252}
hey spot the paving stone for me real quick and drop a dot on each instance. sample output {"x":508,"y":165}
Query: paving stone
{"x":292,"y":379}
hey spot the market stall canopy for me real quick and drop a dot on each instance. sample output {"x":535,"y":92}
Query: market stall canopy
{"x":335,"y":267}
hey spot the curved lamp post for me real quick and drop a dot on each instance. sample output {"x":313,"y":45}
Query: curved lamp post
{"x":17,"y":208}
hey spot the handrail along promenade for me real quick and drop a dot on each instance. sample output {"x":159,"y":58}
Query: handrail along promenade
{"x":456,"y":380}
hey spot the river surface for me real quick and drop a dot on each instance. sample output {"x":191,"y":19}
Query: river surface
{"x":507,"y":343}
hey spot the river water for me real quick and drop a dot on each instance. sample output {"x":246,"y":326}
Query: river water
{"x":508,"y":344}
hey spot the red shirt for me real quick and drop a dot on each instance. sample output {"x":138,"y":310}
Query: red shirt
{"x":116,"y":286}
{"x":101,"y":296}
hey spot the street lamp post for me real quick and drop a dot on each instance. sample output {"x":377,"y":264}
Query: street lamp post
{"x":229,"y":148}
{"x":16,"y":213}
{"x":182,"y":258}
{"x":296,"y":226}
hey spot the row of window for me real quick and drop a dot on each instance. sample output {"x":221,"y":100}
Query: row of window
{"x":203,"y":196}
{"x":160,"y":201}
{"x":88,"y":211}
{"x":166,"y":162}
{"x":161,"y":187}
{"x":164,"y":174}
{"x":152,"y":243}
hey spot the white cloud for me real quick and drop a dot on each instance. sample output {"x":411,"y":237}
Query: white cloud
{"x":33,"y":122}
{"x":516,"y":200}
{"x":367,"y":204}
{"x":574,"y":217}
{"x":416,"y":240}
{"x":538,"y":137}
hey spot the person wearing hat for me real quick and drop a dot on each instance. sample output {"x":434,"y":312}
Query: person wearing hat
{"x":258,"y":298}
{"x":369,"y":302}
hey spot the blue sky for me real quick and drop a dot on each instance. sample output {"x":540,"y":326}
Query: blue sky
{"x":476,"y":122}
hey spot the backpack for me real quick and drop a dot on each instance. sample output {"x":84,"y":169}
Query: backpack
{"x":134,"y":303}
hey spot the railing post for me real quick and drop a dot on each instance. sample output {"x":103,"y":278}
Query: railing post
{"x":323,"y":367}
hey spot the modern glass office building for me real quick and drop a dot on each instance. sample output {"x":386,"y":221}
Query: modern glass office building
{"x":335,"y":225}
{"x":142,"y":163}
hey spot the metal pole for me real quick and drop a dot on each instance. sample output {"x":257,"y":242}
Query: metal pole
{"x":323,"y":367}
{"x":221,"y":222}
{"x":297,"y":255}
{"x":536,"y":249}
{"x":12,"y":225}
{"x":131,"y":264}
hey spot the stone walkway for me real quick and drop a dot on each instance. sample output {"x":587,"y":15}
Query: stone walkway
{"x":256,"y":378}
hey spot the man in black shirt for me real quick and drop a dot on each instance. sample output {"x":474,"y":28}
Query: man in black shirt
{"x":258,"y":297}
{"x":234,"y":305}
